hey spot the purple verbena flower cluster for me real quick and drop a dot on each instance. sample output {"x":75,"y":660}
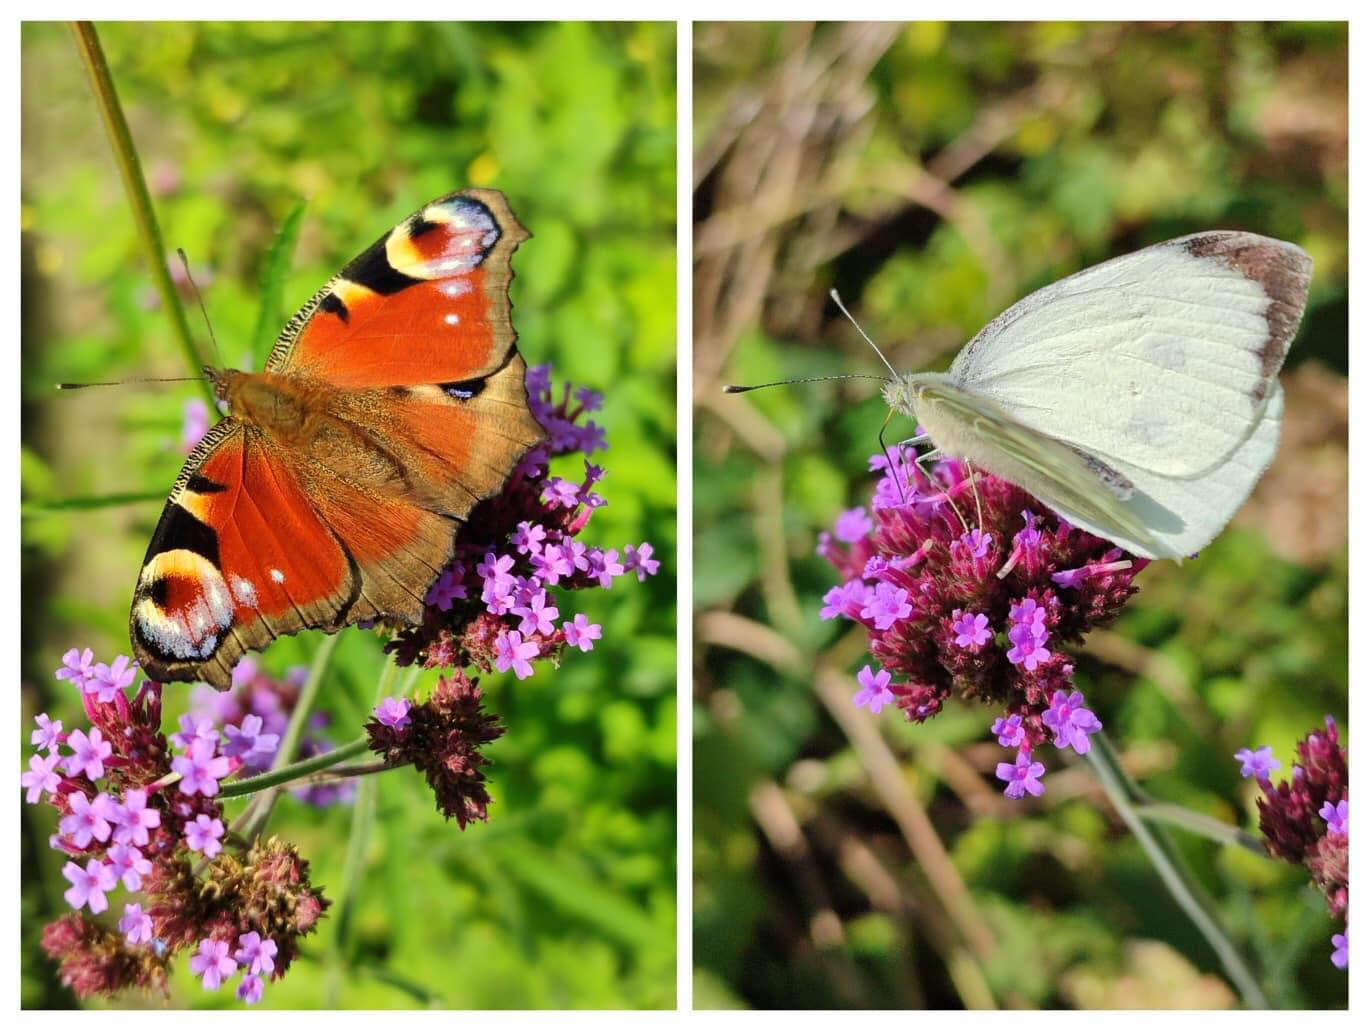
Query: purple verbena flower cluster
{"x":259,"y":705}
{"x":139,"y":810}
{"x":969,"y":586}
{"x":442,"y":738}
{"x":1304,"y":819}
{"x":492,"y":608}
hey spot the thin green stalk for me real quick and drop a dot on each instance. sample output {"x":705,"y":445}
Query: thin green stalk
{"x":135,"y":185}
{"x":254,"y":819}
{"x":1194,"y":822}
{"x":294,"y":771}
{"x":1182,"y":885}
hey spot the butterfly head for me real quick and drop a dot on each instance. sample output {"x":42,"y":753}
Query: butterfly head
{"x":899,"y":394}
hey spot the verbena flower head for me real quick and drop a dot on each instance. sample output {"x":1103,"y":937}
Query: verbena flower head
{"x":970,"y":587}
{"x":442,"y":738}
{"x":492,"y":609}
{"x":139,"y":811}
{"x":1304,"y":819}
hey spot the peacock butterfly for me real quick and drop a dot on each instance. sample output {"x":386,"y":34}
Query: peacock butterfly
{"x":392,"y":403}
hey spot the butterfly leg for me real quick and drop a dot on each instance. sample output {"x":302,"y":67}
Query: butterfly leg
{"x":933,"y":454}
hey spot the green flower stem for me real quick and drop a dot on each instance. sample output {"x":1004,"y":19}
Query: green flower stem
{"x":130,"y":169}
{"x":1176,"y":815}
{"x":293,"y":772}
{"x":1182,"y":885}
{"x":254,"y":819}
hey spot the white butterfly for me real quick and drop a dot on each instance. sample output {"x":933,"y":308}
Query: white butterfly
{"x":1137,"y":398}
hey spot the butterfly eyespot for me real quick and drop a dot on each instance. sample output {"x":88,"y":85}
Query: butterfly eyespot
{"x":182,"y":608}
{"x":463,"y":389}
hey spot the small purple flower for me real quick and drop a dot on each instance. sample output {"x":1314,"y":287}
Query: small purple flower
{"x":1021,"y":775}
{"x":529,"y":538}
{"x":202,"y":834}
{"x":970,"y":630}
{"x":511,"y":652}
{"x":974,"y":543}
{"x":590,"y":401}
{"x":129,"y":864}
{"x":89,"y":885}
{"x":88,"y":821}
{"x":1009,"y":730}
{"x":107,"y":681}
{"x":446,"y":590}
{"x":580,"y":633}
{"x":1335,"y":816}
{"x":1339,"y":955}
{"x":552,"y":563}
{"x":76,"y":667}
{"x":876,"y":690}
{"x":1032,"y":615}
{"x":247,"y":741}
{"x":133,"y":820}
{"x":1259,"y":764}
{"x":604,"y":566}
{"x":853,"y":525}
{"x":1028,"y":649}
{"x":1070,"y":721}
{"x":42,"y":776}
{"x":638,"y":560}
{"x":559,"y":492}
{"x":213,"y":963}
{"x":193,"y":727}
{"x":845,"y":600}
{"x":201,"y":768}
{"x":1029,"y":537}
{"x":251,"y":989}
{"x":887,"y":605}
{"x":496,"y":572}
{"x":256,"y":955}
{"x":135,"y":924}
{"x":536,"y":616}
{"x":88,"y":752}
{"x":49,"y":732}
{"x":393,"y":712}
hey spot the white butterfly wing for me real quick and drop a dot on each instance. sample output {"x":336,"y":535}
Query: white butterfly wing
{"x":1145,"y":512}
{"x":1164,"y":359}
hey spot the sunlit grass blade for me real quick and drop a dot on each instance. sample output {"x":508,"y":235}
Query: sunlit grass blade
{"x":88,"y":502}
{"x":270,"y":313}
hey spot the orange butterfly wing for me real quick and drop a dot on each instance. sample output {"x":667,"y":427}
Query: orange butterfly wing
{"x":427,"y":303}
{"x":404,"y":368}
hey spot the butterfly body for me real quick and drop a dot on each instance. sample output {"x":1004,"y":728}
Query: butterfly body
{"x":333,"y":493}
{"x":1138,"y":398}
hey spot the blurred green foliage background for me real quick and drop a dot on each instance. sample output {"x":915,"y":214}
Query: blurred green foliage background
{"x":566,"y":898}
{"x":934,"y":174}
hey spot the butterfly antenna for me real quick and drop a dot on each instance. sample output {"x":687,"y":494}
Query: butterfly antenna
{"x":199,"y":298}
{"x":736,"y":389}
{"x":67,"y":386}
{"x":834,"y":294}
